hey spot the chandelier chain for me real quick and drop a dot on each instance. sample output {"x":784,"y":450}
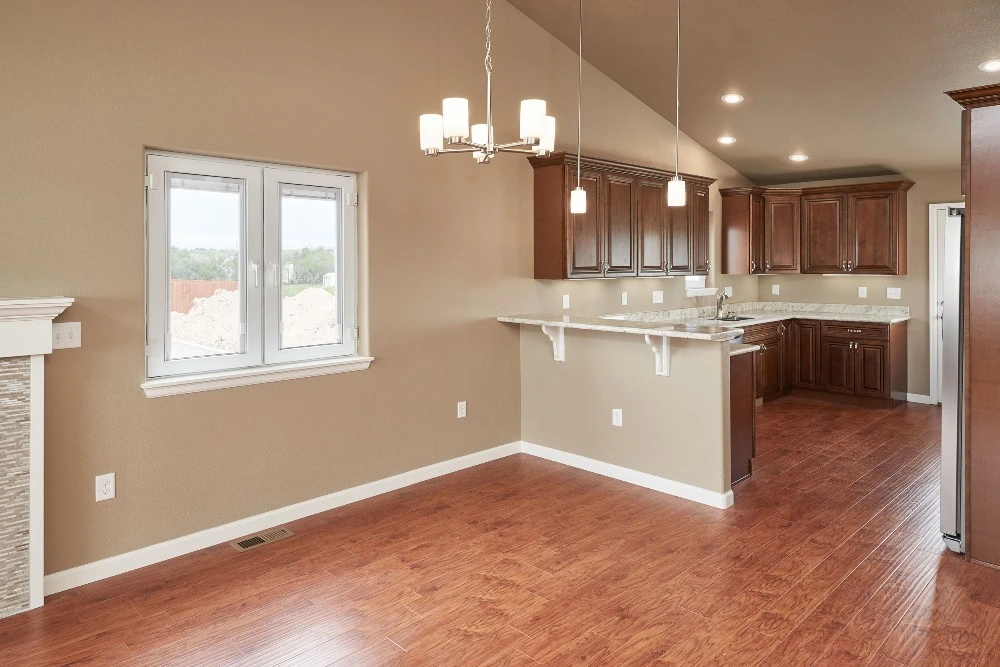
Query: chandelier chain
{"x":488,"y":62}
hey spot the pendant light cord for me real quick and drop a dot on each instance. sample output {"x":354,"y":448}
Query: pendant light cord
{"x":488,"y":61}
{"x":677,"y":99}
{"x":579,"y":98}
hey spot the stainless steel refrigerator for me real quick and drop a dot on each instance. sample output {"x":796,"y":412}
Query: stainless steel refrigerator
{"x":950,"y":312}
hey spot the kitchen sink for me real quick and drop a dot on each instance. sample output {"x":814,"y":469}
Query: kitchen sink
{"x":733,"y":318}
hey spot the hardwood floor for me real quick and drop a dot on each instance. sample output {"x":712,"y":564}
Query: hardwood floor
{"x":830,"y":556}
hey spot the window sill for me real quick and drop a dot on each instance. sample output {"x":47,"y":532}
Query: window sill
{"x":187,"y":384}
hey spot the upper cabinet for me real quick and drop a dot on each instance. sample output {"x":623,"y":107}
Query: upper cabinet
{"x":859,"y":229}
{"x":628,"y":229}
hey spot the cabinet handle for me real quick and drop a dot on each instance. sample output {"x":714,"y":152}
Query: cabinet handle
{"x":767,"y":265}
{"x":850,"y":265}
{"x":753,"y":266}
{"x":708,"y":265}
{"x":843,"y":265}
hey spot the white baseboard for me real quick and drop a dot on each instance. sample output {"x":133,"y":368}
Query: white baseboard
{"x":155,"y":553}
{"x":661,"y":484}
{"x":920,"y":398}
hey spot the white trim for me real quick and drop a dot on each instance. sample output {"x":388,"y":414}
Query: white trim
{"x":921,"y":398}
{"x":240,"y":377}
{"x":45,"y":308}
{"x":156,"y":553}
{"x":26,"y":325}
{"x":661,"y":484}
{"x":36,"y":482}
{"x":933,"y":298}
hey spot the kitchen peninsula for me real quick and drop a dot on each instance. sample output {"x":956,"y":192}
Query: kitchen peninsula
{"x":668,"y":372}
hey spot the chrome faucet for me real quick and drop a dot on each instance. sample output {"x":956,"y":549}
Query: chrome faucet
{"x":718,"y":304}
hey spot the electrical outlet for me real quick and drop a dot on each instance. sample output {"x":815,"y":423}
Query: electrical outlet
{"x":658,"y":296}
{"x":775,"y":290}
{"x":862,"y":292}
{"x":624,"y":298}
{"x":616,"y":417}
{"x":728,"y":291}
{"x":894,"y":292}
{"x":461,"y":410}
{"x":65,"y":334}
{"x":105,"y":486}
{"x":565,"y":301}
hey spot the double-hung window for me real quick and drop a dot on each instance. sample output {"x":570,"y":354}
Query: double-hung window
{"x":251,"y":273}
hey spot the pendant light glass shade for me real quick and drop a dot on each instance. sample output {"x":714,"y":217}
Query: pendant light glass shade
{"x":578,"y":200}
{"x":548,"y":139}
{"x":532,"y":119}
{"x":676,"y":192}
{"x":480,"y":135}
{"x":456,"y":117}
{"x":431,"y":135}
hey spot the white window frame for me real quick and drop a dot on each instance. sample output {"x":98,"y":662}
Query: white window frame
{"x":346,"y":269}
{"x":261,"y":360}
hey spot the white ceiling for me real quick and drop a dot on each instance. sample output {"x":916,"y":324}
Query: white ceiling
{"x":855,"y":84}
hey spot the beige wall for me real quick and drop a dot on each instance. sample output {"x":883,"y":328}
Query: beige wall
{"x":674,"y":427}
{"x":933,"y":187}
{"x":337,"y":84}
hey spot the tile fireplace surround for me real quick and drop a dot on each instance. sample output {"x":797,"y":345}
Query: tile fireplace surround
{"x":25,"y":339}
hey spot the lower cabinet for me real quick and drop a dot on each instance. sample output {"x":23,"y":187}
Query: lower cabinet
{"x":742,"y":415}
{"x":861,"y":360}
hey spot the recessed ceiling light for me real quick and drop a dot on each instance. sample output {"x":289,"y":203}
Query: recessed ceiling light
{"x":990,"y":65}
{"x":732,"y":98}
{"x":798,"y":157}
{"x":726,"y":140}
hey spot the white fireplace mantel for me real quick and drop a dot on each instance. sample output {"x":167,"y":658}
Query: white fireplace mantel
{"x":26,"y":331}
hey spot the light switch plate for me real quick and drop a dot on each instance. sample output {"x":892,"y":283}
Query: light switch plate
{"x":894,"y":292}
{"x":728,"y":291}
{"x":65,"y":334}
{"x":565,"y":301}
{"x":624,"y":298}
{"x":104,"y":487}
{"x":862,"y":292}
{"x":658,"y":296}
{"x":775,"y":290}
{"x":462,"y":410}
{"x":616,"y":417}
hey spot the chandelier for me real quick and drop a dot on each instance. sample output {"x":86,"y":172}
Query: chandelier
{"x":538,"y":131}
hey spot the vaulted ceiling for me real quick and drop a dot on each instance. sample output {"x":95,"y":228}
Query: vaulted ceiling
{"x":855,"y":84}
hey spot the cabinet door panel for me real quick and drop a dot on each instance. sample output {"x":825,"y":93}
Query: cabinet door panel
{"x":651,"y":222}
{"x":679,"y":239}
{"x":757,"y":258}
{"x":824,"y":232}
{"x":804,"y":360}
{"x":871,"y":371}
{"x":585,"y":237}
{"x":700,"y":232}
{"x":838,"y":367}
{"x":781,"y":234}
{"x":872,"y":233}
{"x":620,"y":225}
{"x":772,"y":368}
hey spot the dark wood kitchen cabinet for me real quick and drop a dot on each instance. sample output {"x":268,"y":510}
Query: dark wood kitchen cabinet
{"x":857,"y":229}
{"x":770,"y":357}
{"x":628,"y":230}
{"x":742,"y":230}
{"x":838,"y":366}
{"x":781,"y":231}
{"x":867,"y":361}
{"x":803,"y":358}
{"x":742,"y":415}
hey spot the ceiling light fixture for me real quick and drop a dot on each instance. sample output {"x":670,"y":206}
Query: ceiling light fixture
{"x":732,"y":98}
{"x":538,"y":131}
{"x":726,"y":140}
{"x":676,"y":194}
{"x":578,"y":197}
{"x":798,"y":157}
{"x":990,"y":65}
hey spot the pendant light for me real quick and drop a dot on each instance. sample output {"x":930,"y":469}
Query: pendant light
{"x":537,"y":135}
{"x":578,"y":197}
{"x":676,"y":194}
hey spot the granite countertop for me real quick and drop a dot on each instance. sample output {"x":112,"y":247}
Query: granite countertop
{"x":694,"y":330}
{"x":764,"y":312}
{"x":742,"y":348}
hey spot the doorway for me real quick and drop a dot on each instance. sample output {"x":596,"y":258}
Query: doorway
{"x":937,"y":276}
